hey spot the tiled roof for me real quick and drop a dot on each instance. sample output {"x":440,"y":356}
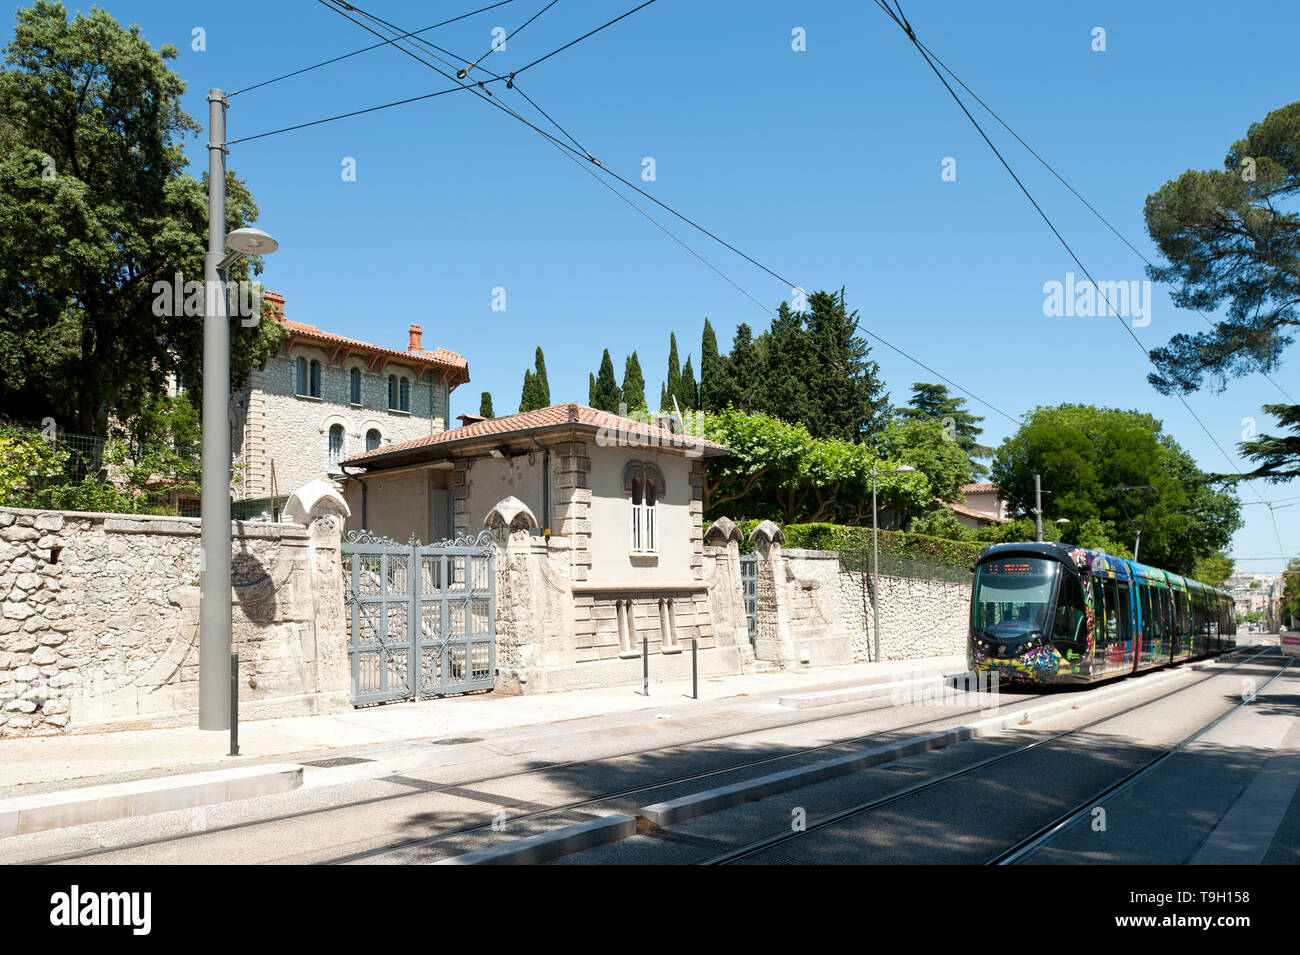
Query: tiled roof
{"x":556,"y":415}
{"x":440,"y":358}
{"x":965,"y":511}
{"x":986,"y":487}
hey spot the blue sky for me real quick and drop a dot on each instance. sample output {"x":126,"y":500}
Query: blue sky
{"x":823,"y":164}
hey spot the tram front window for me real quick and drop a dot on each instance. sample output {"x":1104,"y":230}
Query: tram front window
{"x":1012,"y":595}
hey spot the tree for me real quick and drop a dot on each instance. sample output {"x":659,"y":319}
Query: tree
{"x":485,"y":405}
{"x":542,"y":386}
{"x":606,"y":395}
{"x":1085,"y":455}
{"x":688,"y":397}
{"x":663,"y":397}
{"x":923,"y":444}
{"x":934,"y":403}
{"x":674,"y":385}
{"x":778,"y":470}
{"x":528,"y":395}
{"x":710,"y":367}
{"x":591,"y":390}
{"x":1278,"y":457}
{"x":1228,"y":237}
{"x":633,"y":383}
{"x":1291,"y":593}
{"x":847,"y":397}
{"x":95,"y":209}
{"x":737,"y":373}
{"x":536,"y":392}
{"x":1213,"y":569}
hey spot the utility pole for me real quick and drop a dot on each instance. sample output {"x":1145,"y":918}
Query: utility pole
{"x":214,"y":503}
{"x":1038,"y":509}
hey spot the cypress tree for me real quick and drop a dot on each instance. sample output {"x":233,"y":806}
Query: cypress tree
{"x":526,"y":397}
{"x":663,"y":397}
{"x":542,"y":386}
{"x":591,"y":390}
{"x":710,"y":367}
{"x":688,"y":396}
{"x":633,"y":384}
{"x":674,"y":371}
{"x":605,"y":392}
{"x":485,"y":405}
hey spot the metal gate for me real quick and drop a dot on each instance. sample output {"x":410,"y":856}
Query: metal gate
{"x":421,"y":618}
{"x":749,"y":584}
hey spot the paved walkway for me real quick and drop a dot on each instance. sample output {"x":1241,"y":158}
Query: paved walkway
{"x":92,"y":757}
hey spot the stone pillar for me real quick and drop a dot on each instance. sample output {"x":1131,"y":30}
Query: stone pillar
{"x":697,"y":519}
{"x":518,"y":626}
{"x":775,"y":642}
{"x":726,"y":594}
{"x":572,"y":501}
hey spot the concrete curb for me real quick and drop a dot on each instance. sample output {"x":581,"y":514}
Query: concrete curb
{"x":76,"y":807}
{"x":724,"y":797}
{"x":854,"y":694}
{"x":550,"y":845}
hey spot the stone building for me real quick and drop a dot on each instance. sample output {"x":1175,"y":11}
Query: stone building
{"x":325,"y":397}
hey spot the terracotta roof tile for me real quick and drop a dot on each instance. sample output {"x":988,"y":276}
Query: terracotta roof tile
{"x":571,"y":413}
{"x":986,"y":487}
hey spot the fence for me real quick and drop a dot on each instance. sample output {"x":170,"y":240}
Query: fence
{"x":891,"y":565}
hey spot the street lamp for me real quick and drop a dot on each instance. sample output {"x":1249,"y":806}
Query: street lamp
{"x":214,"y":503}
{"x":875,"y":552}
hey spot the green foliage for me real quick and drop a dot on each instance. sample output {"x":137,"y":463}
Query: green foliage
{"x":606,"y":395}
{"x":95,"y":207}
{"x":1291,"y":589}
{"x":778,"y":470}
{"x":633,"y":384}
{"x":674,"y":384}
{"x":923,"y":444}
{"x":1085,"y":453}
{"x":485,"y":405}
{"x":1214,"y":569}
{"x":934,"y":403}
{"x":688,"y":396}
{"x":911,"y":554}
{"x":528,"y":394}
{"x":710,"y":368}
{"x":536,"y":392}
{"x":27,"y":462}
{"x":1278,"y":457}
{"x":940,"y":522}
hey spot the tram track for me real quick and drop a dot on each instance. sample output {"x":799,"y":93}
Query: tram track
{"x":1041,"y":835}
{"x":879,"y":706}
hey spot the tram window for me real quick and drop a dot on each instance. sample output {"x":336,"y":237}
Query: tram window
{"x":1184,"y":613}
{"x":1069,"y":623}
{"x":1144,"y":604}
{"x":1110,"y":627}
{"x":1124,"y":613}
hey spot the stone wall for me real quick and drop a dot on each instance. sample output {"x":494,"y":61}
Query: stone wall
{"x":918,"y":618}
{"x":99,"y":621}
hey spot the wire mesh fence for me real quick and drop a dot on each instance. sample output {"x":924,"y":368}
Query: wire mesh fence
{"x":892,"y":565}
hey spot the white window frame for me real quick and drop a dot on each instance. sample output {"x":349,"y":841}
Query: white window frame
{"x":643,"y":530}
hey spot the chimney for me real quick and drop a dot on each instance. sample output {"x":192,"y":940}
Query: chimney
{"x":277,"y":304}
{"x":415,"y":339}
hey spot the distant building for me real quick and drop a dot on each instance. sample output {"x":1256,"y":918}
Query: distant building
{"x":981,"y":505}
{"x":325,"y":398}
{"x":1257,"y":592}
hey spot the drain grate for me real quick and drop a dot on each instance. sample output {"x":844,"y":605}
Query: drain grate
{"x":338,"y":761}
{"x":456,"y":740}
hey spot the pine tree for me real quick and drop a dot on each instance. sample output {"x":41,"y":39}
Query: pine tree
{"x":674,"y":371}
{"x":710,"y":367}
{"x":733,"y":381}
{"x":542,"y":386}
{"x":527,"y":398}
{"x":605,"y":391}
{"x":688,"y":396}
{"x":485,"y":405}
{"x":933,"y":402}
{"x":633,"y":383}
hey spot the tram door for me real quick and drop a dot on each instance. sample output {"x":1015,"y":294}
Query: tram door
{"x":1111,"y":653}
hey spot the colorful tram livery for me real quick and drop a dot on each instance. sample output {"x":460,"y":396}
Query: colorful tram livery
{"x":1055,"y":613}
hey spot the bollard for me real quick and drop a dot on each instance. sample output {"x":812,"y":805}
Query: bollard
{"x":645,"y":665}
{"x":695,"y":668}
{"x":234,"y":701}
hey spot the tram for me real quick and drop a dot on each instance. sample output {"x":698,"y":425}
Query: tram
{"x":1055,"y":613}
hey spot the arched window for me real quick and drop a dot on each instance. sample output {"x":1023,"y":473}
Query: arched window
{"x":372,"y":439}
{"x":300,"y":378}
{"x":336,"y":446}
{"x":644,"y":484}
{"x":315,"y":379}
{"x":354,"y":386}
{"x":406,"y":394}
{"x":392,"y":392}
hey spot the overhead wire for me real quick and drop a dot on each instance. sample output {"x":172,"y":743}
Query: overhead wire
{"x":584,"y":154}
{"x":901,"y":20}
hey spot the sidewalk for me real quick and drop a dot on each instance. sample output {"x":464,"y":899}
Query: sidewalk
{"x":94,"y":758}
